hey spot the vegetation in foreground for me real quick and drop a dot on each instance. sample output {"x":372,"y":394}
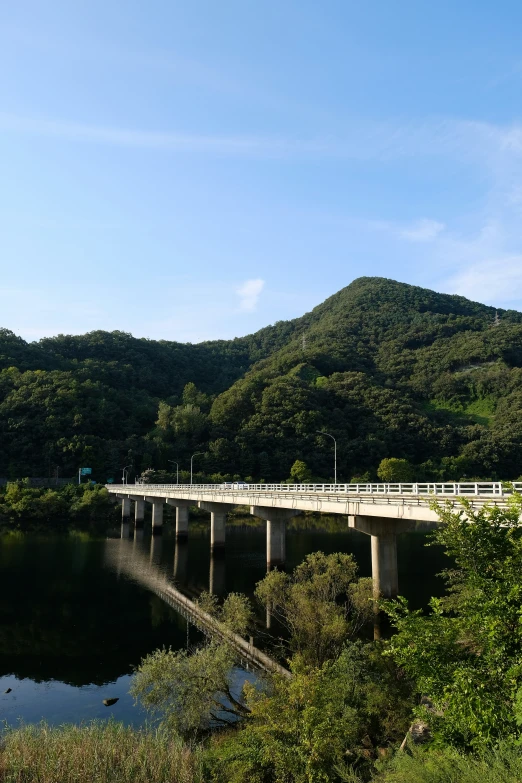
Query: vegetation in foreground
{"x":96,"y":753}
{"x":344,"y":716}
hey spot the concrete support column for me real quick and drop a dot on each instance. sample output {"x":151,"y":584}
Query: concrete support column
{"x":218,"y":515}
{"x":125,"y":508}
{"x":157,"y":514}
{"x":182,"y":515}
{"x":139,"y":509}
{"x":276,"y":519}
{"x":383,"y":534}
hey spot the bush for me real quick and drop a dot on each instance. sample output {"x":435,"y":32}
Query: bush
{"x":447,"y":765}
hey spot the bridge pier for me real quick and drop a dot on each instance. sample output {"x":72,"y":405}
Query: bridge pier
{"x":125,"y":507}
{"x":218,"y":515}
{"x":125,"y":528}
{"x":139,"y":509}
{"x":157,"y":514}
{"x":276,"y":519}
{"x":384,"y":534}
{"x":182,"y":515}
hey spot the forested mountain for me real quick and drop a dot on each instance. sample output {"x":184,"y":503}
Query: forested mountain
{"x":391,"y":370}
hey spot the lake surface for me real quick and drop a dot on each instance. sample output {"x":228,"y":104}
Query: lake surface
{"x":76,"y":615}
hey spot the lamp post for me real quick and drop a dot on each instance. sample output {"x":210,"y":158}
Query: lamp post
{"x":123,"y":478}
{"x":177,"y":469}
{"x":194,"y":455}
{"x":320,"y":432}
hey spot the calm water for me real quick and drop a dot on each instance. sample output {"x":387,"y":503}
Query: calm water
{"x":76,"y":615}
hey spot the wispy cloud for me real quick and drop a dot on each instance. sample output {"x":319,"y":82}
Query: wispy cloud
{"x":423,"y":230}
{"x":387,"y":140}
{"x":249,"y":293}
{"x":497,"y":280}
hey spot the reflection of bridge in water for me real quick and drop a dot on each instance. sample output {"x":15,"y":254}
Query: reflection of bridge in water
{"x":381,"y":511}
{"x":126,"y":557}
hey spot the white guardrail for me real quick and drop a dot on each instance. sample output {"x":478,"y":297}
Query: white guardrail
{"x":461,"y":489}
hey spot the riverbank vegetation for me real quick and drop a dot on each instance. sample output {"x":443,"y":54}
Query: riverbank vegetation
{"x":97,"y":753}
{"x":439,"y":701}
{"x":23,"y":507}
{"x":391,"y":370}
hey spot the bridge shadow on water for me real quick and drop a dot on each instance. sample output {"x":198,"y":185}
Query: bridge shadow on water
{"x":74,"y":621}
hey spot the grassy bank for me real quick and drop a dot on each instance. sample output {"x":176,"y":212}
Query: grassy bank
{"x":105,"y":753}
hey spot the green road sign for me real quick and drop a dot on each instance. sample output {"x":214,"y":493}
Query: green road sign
{"x":86,"y":471}
{"x":110,"y":481}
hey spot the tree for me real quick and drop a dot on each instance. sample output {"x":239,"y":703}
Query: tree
{"x":321,"y":604}
{"x":320,"y":724}
{"x":466,"y":654}
{"x":300,"y":472}
{"x":392,"y":469}
{"x":189,"y":690}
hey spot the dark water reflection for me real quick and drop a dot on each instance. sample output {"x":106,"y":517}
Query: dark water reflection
{"x":75,"y":619}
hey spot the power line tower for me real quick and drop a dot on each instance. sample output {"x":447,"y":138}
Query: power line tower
{"x":303,"y":345}
{"x":496,"y":321}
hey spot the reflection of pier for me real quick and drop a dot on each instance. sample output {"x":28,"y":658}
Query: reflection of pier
{"x":127,"y":559}
{"x":381,"y":511}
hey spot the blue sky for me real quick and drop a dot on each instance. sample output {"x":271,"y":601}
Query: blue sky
{"x":198,"y":170}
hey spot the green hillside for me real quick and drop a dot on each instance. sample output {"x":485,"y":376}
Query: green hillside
{"x":389,"y":369}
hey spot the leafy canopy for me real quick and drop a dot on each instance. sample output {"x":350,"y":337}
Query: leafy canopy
{"x":466,"y":655}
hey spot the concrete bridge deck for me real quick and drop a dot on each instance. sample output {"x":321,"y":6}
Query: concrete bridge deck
{"x":381,"y":511}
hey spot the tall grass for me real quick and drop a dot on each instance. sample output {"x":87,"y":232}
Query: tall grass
{"x":98,"y":752}
{"x":502,"y":765}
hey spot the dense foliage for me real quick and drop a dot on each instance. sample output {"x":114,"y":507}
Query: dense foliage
{"x":466,"y":655}
{"x":393,"y":371}
{"x":23,"y":506}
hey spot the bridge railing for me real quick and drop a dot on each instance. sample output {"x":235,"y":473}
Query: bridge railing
{"x":459,"y":489}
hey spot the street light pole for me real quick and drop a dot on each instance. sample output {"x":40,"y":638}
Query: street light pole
{"x":124,"y":481}
{"x":320,"y":432}
{"x":177,"y":469}
{"x":194,"y":455}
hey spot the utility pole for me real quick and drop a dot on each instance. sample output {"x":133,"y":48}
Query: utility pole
{"x":177,"y":469}
{"x":194,"y":455}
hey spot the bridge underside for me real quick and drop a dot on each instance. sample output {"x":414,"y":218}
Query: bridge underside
{"x":379,"y":515}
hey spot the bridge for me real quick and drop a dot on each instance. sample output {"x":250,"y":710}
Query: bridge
{"x":381,"y":511}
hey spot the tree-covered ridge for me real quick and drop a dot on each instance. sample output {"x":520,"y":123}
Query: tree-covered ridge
{"x":391,"y":370}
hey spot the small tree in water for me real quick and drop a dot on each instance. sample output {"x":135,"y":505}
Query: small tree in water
{"x":321,"y":604}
